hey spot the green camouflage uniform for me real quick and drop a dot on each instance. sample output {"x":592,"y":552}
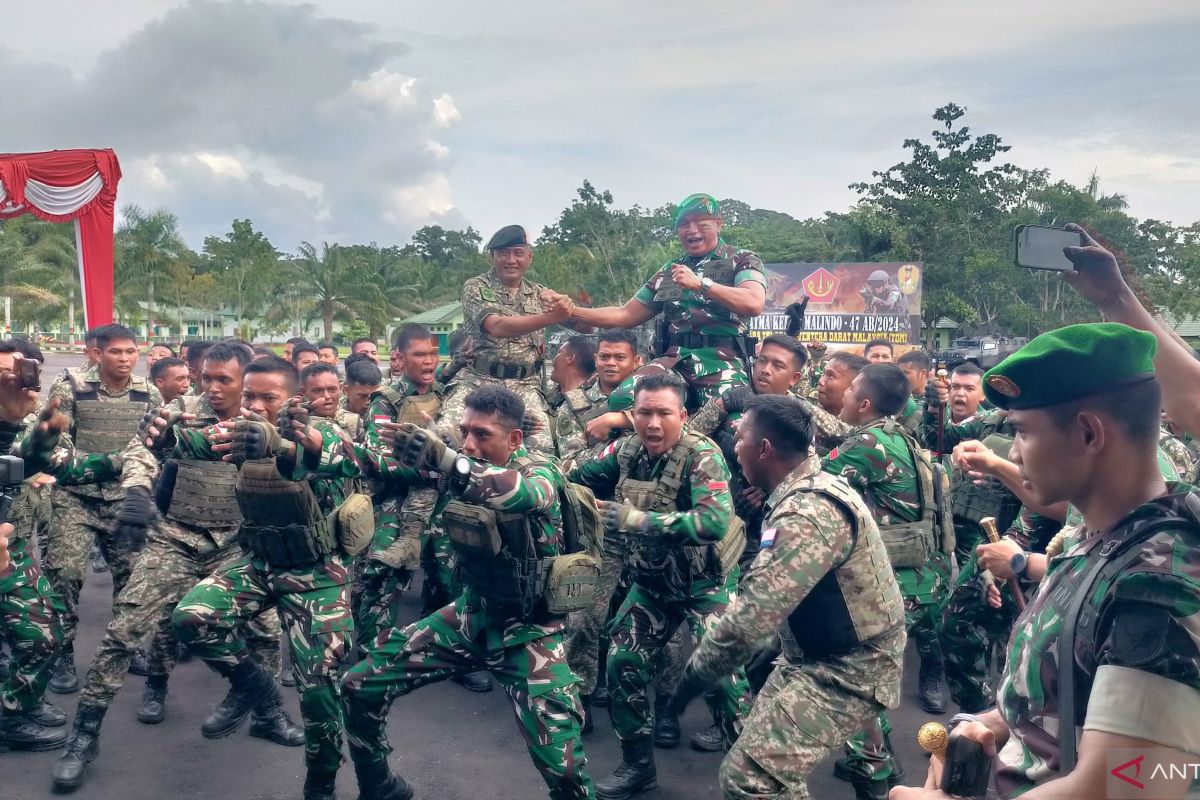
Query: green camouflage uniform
{"x":87,"y":513}
{"x":912,"y":416}
{"x":674,"y":578}
{"x":29,"y":609}
{"x":708,"y":368}
{"x":877,"y":462}
{"x":402,"y":513}
{"x":483,"y":296}
{"x":178,"y":554}
{"x":1178,"y":452}
{"x":313,"y":602}
{"x":525,"y":653}
{"x":822,"y":564}
{"x":1137,"y":665}
{"x":971,"y":628}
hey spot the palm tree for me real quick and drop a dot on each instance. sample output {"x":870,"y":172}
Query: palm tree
{"x":147,"y":244}
{"x":332,"y":284}
{"x":37,"y":268}
{"x":1107,"y":202}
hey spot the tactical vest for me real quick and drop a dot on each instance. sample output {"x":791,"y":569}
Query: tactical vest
{"x":104,"y":427}
{"x":582,"y":407}
{"x":653,"y":561}
{"x":204,"y":494}
{"x":282,"y":520}
{"x":409,"y":407}
{"x":844,"y":610}
{"x":720,"y":270}
{"x":971,"y":503}
{"x":910,"y":544}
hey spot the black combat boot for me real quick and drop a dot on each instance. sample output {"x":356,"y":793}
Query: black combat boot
{"x":376,"y":782}
{"x":479,"y":681}
{"x":153,"y":709}
{"x":709,"y":740}
{"x":585,"y":700}
{"x":23,"y":732}
{"x":82,"y":748}
{"x":273,"y":723}
{"x":320,"y":786}
{"x":48,"y":715}
{"x":140,"y":663}
{"x":666,"y":723}
{"x":634,"y":774}
{"x":871,"y":790}
{"x":64,"y":680}
{"x":251,"y":687}
{"x":929,"y":681}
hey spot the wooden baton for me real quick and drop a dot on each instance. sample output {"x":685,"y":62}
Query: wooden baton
{"x":993,"y":535}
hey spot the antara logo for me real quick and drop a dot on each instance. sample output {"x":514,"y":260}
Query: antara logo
{"x":1121,"y":771}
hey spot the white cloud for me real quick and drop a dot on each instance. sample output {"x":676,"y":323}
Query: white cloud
{"x":387,"y":89}
{"x":445,"y":113}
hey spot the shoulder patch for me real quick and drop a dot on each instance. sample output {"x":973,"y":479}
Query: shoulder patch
{"x":487,"y":294}
{"x":768,"y":539}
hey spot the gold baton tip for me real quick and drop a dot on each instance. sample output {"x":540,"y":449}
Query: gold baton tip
{"x":933,"y":738}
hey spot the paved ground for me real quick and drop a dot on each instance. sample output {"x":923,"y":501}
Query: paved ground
{"x":454,"y":745}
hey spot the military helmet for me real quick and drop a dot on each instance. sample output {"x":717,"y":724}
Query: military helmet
{"x":878,"y":276}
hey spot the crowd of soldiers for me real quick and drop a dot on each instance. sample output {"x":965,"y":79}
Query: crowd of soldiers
{"x":804,"y":511}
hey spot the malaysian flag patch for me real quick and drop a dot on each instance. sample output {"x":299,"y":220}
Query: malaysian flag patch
{"x":768,"y":539}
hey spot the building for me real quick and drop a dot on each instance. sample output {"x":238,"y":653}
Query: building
{"x":441,"y":321}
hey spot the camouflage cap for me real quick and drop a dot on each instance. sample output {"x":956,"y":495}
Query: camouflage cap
{"x":1070,"y":363}
{"x":508,"y":236}
{"x":697,"y":205}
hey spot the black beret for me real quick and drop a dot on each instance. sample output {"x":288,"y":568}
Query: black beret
{"x":508,"y":236}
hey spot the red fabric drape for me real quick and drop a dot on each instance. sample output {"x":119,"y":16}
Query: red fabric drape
{"x":95,"y":219}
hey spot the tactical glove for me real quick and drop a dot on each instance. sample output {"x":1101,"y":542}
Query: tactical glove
{"x":254,"y":438}
{"x":417,"y":448}
{"x":136,"y":512}
{"x":735,"y":400}
{"x":164,"y":419}
{"x":795,"y":315}
{"x":622,"y":518}
{"x":294,"y":412}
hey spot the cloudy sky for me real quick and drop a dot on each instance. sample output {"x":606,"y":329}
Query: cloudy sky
{"x":361,"y":120}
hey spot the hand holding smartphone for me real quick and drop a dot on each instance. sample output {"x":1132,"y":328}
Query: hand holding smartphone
{"x":1041,"y":247}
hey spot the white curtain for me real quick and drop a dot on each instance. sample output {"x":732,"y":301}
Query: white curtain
{"x":61,"y":200}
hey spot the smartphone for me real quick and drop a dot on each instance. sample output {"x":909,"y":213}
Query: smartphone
{"x":29,"y":373}
{"x":1041,"y":247}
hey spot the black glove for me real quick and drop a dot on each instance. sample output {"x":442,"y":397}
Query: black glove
{"x":293,"y":412}
{"x":417,"y":448}
{"x":254,"y":438}
{"x":621,"y":517}
{"x":136,"y":512}
{"x":795,"y":315}
{"x":931,"y":396}
{"x":735,"y":399}
{"x":687,"y":691}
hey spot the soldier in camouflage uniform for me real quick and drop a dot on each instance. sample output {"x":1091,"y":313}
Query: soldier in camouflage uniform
{"x":830,"y":430}
{"x":505,"y":317}
{"x":496,"y":623}
{"x":671,"y":509}
{"x":1177,"y":450}
{"x":294,"y":562}
{"x":105,"y":405}
{"x":707,"y":297}
{"x":1104,"y":659}
{"x":28,"y":607}
{"x":574,"y":394}
{"x":822,"y":582}
{"x":916,"y":365}
{"x":897,"y":481}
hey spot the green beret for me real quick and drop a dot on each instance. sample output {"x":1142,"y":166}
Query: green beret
{"x":696,"y":204}
{"x":1070,"y":363}
{"x":508,"y":236}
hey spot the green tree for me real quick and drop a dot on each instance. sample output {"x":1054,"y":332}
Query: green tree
{"x":247,"y":266}
{"x":331,"y":284}
{"x":146,"y":245}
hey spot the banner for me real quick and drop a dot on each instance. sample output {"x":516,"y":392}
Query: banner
{"x":848,"y":304}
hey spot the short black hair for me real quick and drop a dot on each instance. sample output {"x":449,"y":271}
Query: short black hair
{"x":89,"y":339}
{"x":792,"y":345}
{"x":222,"y":352}
{"x":967,"y":368}
{"x":196,"y":352}
{"x":494,"y":398}
{"x":362,"y":371}
{"x":159,"y":368}
{"x":295,"y":340}
{"x":619,"y":335}
{"x":886,"y":386}
{"x":853,"y":362}
{"x":106,"y":334}
{"x":360,"y":340}
{"x":784,"y":421}
{"x":1135,"y":407}
{"x":328,"y":346}
{"x":879,"y":343}
{"x":661,"y":380}
{"x":304,"y":347}
{"x":29,"y":350}
{"x":918,"y":358}
{"x":408,"y":333}
{"x":319,"y":368}
{"x":263,"y":351}
{"x":274,"y":365}
{"x":585,"y":352}
{"x":168,"y":347}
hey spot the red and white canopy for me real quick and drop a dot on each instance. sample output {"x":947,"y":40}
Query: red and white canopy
{"x":77,"y":186}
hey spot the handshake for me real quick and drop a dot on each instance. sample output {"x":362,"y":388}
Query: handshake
{"x":559,"y":306}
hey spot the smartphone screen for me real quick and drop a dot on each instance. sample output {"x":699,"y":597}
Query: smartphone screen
{"x":31,"y":374}
{"x":1040,"y":247}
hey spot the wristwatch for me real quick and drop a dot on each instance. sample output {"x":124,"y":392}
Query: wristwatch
{"x":1019,"y":563}
{"x":706,"y":284}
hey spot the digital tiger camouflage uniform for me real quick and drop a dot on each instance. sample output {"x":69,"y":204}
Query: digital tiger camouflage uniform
{"x":87,"y":513}
{"x":876,"y":461}
{"x":404,"y":532}
{"x":29,"y":609}
{"x":313,"y":602}
{"x":1137,"y":661}
{"x":572,"y":411}
{"x":496,"y":357}
{"x":176,"y":557}
{"x":674,"y":577}
{"x":701,"y":345}
{"x":826,"y":550}
{"x":526,"y":654}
